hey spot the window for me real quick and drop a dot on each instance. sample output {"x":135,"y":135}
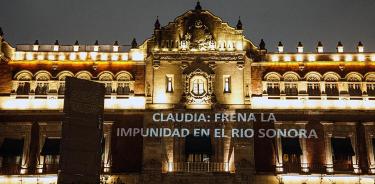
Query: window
{"x":51,"y":153}
{"x":11,"y":151}
{"x":41,"y":88}
{"x":169,"y":84}
{"x":227,"y":83}
{"x":354,"y":89}
{"x":123,"y":88}
{"x":291,"y":89}
{"x":198,"y":148}
{"x":198,"y":87}
{"x":108,"y":88}
{"x":23,"y":88}
{"x":273,"y":89}
{"x":313,"y":89}
{"x":61,"y":90}
{"x":331,"y":89}
{"x":313,"y":85}
{"x":342,"y":154}
{"x":354,"y":85}
{"x":371,"y":89}
{"x":292,"y":151}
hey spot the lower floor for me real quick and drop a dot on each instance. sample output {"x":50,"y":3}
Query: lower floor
{"x":196,"y":178}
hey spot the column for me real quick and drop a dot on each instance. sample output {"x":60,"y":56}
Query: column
{"x":26,"y":145}
{"x":279,"y":150}
{"x":369,"y":134}
{"x":328,"y":133}
{"x":107,"y":161}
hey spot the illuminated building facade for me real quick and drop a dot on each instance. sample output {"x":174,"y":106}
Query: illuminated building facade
{"x":197,"y":63}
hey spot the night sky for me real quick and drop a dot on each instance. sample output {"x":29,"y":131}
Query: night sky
{"x":289,"y":21}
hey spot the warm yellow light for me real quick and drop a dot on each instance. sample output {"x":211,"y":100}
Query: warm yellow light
{"x":96,"y":48}
{"x":221,"y":46}
{"x":93,"y":55}
{"x":300,"y":49}
{"x":29,"y":56}
{"x":239,"y":46}
{"x":72,"y":56}
{"x":299,"y":57}
{"x":104,"y":57}
{"x":19,"y":55}
{"x":51,"y":57}
{"x":340,"y":49}
{"x":164,"y":49}
{"x":75,"y":48}
{"x":156,"y":49}
{"x":361,"y":57}
{"x":280,"y":49}
{"x":114,"y":57}
{"x":287,"y":58}
{"x":230,"y":46}
{"x":348,"y":58}
{"x":125,"y":56}
{"x":115,"y":48}
{"x":35,"y":47}
{"x":170,"y":166}
{"x":183,"y":45}
{"x":373,"y":58}
{"x":82,"y":55}
{"x":336,"y":58}
{"x":137,"y":55}
{"x":312,"y":57}
{"x":275,"y":58}
{"x":320,"y":49}
{"x":61,"y":56}
{"x":55,"y":48}
{"x":361,"y":49}
{"x":212,"y":45}
{"x":40,"y":56}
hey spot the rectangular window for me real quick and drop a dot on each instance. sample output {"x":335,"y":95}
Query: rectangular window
{"x":227,"y":84}
{"x":169,"y":80}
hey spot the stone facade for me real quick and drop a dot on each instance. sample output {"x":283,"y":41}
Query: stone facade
{"x":196,"y":64}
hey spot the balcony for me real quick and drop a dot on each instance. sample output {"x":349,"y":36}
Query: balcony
{"x":199,"y":167}
{"x":337,"y":168}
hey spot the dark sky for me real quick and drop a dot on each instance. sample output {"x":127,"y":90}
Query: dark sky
{"x":290,"y":21}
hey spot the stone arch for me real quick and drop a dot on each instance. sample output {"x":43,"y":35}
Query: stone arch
{"x":272,"y":76}
{"x":23,"y":75}
{"x":331,"y":77}
{"x":291,"y":76}
{"x":313,"y":76}
{"x":84,"y":75}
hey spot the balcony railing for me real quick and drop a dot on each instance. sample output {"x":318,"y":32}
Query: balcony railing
{"x":10,"y":169}
{"x":200,"y":167}
{"x":318,"y":168}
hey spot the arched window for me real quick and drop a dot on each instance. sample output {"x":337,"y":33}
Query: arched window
{"x":106,"y":79}
{"x":23,"y":87}
{"x":198,"y":86}
{"x":291,"y":84}
{"x":123,"y":84}
{"x":61,"y":77}
{"x":331,"y":85}
{"x":354,"y":85}
{"x":313,"y":85}
{"x":42,"y":84}
{"x":273,"y":85}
